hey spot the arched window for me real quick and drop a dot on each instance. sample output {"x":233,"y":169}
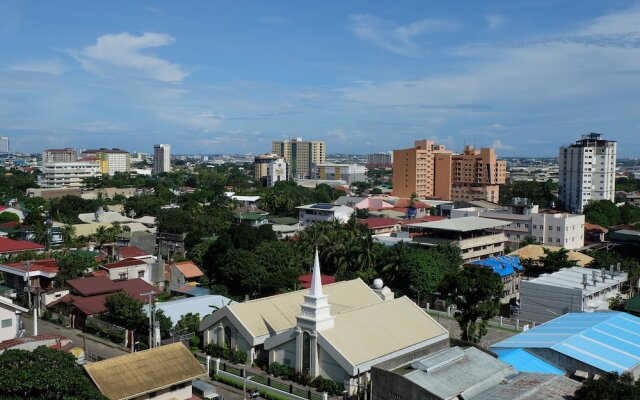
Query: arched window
{"x":227,"y":337}
{"x":306,"y":351}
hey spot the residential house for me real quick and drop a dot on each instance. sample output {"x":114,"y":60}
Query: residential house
{"x":510,"y":272}
{"x":200,"y":305}
{"x":88,"y":296}
{"x":10,"y":246}
{"x":536,"y":254}
{"x":380,"y":225}
{"x":162,"y":373}
{"x":9,"y":318}
{"x":128,"y":268}
{"x":34,"y":278}
{"x":184,"y":273}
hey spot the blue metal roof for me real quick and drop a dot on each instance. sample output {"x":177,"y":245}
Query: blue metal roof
{"x":501,"y":265}
{"x":609,"y":341}
{"x":523,"y":361}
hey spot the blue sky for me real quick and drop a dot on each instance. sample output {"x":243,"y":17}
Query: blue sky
{"x":230,"y":76}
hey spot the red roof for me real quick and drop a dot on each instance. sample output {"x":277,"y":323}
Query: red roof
{"x":48,"y":265}
{"x":376,"y":223}
{"x":131,"y":252}
{"x":127,"y":262}
{"x":93,"y":286}
{"x":593,"y":227}
{"x":14,"y":246}
{"x":324,"y":279}
{"x":11,"y":225}
{"x":6,"y":344}
{"x":426,"y":218}
{"x":95,"y":304}
{"x":189,"y":269}
{"x":99,"y":272}
{"x":2,"y":208}
{"x":404,"y":203}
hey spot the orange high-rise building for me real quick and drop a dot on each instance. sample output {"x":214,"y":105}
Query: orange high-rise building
{"x":431,"y":171}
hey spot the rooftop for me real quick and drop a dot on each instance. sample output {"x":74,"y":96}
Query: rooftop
{"x":604,"y":340}
{"x":536,"y":252}
{"x":531,"y":386}
{"x":127,"y":262}
{"x":379,"y":222}
{"x":501,"y":265}
{"x":201,"y":305}
{"x":137,"y":373}
{"x":463,"y":224}
{"x":14,"y":246}
{"x":189,"y":269}
{"x":574,"y":278}
{"x":131,"y":252}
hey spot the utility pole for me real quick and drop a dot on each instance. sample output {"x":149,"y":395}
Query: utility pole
{"x":151,"y":312}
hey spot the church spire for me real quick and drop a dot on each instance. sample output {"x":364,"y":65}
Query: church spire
{"x":316,"y":278}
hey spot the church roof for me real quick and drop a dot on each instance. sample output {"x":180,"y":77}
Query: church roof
{"x":277,"y":313}
{"x":368,"y":334}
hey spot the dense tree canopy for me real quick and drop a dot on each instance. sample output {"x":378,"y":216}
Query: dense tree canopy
{"x":476,"y":291}
{"x":44,"y":374}
{"x":73,"y":264}
{"x":540,"y":193}
{"x":555,"y":260}
{"x":125,"y":311}
{"x":610,"y":386}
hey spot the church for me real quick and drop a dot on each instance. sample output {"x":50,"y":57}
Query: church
{"x":337,"y":331}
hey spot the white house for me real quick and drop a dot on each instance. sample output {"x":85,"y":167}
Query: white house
{"x":129,"y":268}
{"x":312,"y":213}
{"x":9,"y":318}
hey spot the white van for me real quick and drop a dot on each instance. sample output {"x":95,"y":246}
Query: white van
{"x":206,"y":390}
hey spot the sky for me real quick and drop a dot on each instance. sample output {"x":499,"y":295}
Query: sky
{"x":214,"y":77}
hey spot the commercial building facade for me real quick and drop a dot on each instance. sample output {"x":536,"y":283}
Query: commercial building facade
{"x":587,"y":171}
{"x":261,"y":165}
{"x":277,"y":171}
{"x":161,"y":158}
{"x":380,"y":160}
{"x":69,"y":174}
{"x":111,"y":160}
{"x":346,"y":172}
{"x":59,"y":155}
{"x":301,"y":155}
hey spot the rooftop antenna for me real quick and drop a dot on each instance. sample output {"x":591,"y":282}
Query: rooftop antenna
{"x":584,"y":281}
{"x":594,"y":277}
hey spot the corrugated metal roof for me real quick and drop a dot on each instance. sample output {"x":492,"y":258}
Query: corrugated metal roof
{"x":524,"y":361}
{"x":536,"y":252}
{"x":531,"y":386}
{"x":573,"y":278}
{"x":605,"y":340}
{"x":145,"y":371}
{"x":197,"y":305}
{"x":463,"y":224}
{"x":501,"y":265}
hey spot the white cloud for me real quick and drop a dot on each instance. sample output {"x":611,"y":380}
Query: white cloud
{"x":624,"y":22}
{"x":494,"y":21}
{"x":498,"y":145}
{"x":52,"y":67}
{"x":123,"y":54}
{"x":396,"y":38}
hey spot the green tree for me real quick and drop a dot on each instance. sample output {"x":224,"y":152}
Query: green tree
{"x":44,"y":373}
{"x":164,"y":323}
{"x":69,"y":235}
{"x":610,"y":386}
{"x":602,"y":212}
{"x":73,"y":265}
{"x":188,"y":323}
{"x":476,"y":291}
{"x":8,"y":216}
{"x":557,"y":259}
{"x":527,"y":240}
{"x":125,"y":311}
{"x":283,"y":266}
{"x":242,"y":273}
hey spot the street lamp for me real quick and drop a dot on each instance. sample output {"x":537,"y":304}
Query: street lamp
{"x":417,"y":291}
{"x":244,"y":386}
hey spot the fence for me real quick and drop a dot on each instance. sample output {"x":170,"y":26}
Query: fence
{"x":101,"y":328}
{"x":263,"y":382}
{"x":498,"y":322}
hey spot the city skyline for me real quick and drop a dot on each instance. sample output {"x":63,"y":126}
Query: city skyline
{"x":211,"y":78}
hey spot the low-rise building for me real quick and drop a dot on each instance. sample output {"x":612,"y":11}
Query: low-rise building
{"x":163,"y":373}
{"x":111,"y":160}
{"x":68,"y":174}
{"x":476,"y":237}
{"x":128,"y":268}
{"x":573,"y":289}
{"x":510,"y":271}
{"x":184,"y":273}
{"x":9,"y":319}
{"x":349,"y":173}
{"x":10,"y":246}
{"x":535,"y":253}
{"x":592,"y":343}
{"x":33,"y":281}
{"x":319,"y":212}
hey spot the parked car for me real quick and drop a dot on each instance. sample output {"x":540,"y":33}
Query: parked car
{"x":206,"y":390}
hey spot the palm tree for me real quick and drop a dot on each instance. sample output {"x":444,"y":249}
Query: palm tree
{"x":69,"y":235}
{"x":101,"y":236}
{"x":367,"y":256}
{"x":395,"y":261}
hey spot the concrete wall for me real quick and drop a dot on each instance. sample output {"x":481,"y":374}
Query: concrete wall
{"x":329,"y":368}
{"x":542,"y":303}
{"x":9,"y":315}
{"x":286,"y":351}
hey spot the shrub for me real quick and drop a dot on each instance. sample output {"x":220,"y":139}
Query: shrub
{"x":194,"y":342}
{"x":47,"y":315}
{"x":327,"y":385}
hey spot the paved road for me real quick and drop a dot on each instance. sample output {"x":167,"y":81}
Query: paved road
{"x":96,"y":347}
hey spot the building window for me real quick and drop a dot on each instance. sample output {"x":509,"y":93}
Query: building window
{"x":227,"y":337}
{"x":123,"y":276}
{"x":558,"y":229}
{"x":306,"y":351}
{"x":550,"y":227}
{"x":535,"y":227}
{"x":140,"y":274}
{"x":6,"y":323}
{"x":541,"y":239}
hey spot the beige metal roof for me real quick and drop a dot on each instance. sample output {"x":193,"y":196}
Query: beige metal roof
{"x":463,"y":224}
{"x":536,"y":252}
{"x":145,"y":371}
{"x":367,"y":333}
{"x":277,"y":313}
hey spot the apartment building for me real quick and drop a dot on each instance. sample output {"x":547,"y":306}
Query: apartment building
{"x":59,"y":155}
{"x":261,"y":165}
{"x":429,"y":170}
{"x":546,"y":227}
{"x":587,"y":171}
{"x":69,"y":174}
{"x":111,"y":160}
{"x":380,"y":160}
{"x":335,"y":172}
{"x":161,"y":158}
{"x":4,"y":144}
{"x":301,"y":155}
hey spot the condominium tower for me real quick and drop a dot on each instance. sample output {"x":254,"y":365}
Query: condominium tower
{"x":587,"y":171}
{"x":111,"y":160}
{"x":300,"y":155}
{"x":161,"y":158}
{"x":4,"y":144}
{"x":429,"y":170}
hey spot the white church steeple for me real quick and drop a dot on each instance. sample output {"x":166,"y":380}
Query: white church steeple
{"x":315,"y":314}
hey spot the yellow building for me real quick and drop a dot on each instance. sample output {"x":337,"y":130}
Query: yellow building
{"x":300,"y":155}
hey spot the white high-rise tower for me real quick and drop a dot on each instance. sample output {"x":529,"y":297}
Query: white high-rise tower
{"x":587,"y":171}
{"x":161,"y":158}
